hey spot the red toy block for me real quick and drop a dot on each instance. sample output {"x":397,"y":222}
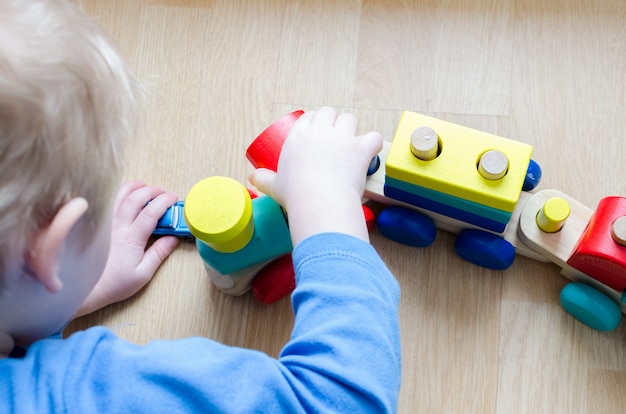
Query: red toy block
{"x":265,"y":149}
{"x":597,"y":254}
{"x":370,"y":217}
{"x":253,"y":194}
{"x":275,"y":281}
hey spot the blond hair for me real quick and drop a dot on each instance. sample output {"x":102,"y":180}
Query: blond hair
{"x":67,"y":104}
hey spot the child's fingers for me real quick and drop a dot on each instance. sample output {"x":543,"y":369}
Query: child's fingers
{"x":263,"y":179}
{"x":371,"y":143}
{"x":324,"y":116}
{"x":156,"y":254}
{"x":346,"y":124}
{"x":146,"y":220}
{"x":302,"y":123}
{"x":125,"y":189}
{"x":133,"y":204}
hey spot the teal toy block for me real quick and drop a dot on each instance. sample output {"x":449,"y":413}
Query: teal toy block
{"x":271,"y":239}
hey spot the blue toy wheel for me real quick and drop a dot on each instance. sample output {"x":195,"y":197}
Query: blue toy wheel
{"x":590,"y":306}
{"x":533,"y":176}
{"x":406,"y":226}
{"x":484,"y":249}
{"x":374,"y":165}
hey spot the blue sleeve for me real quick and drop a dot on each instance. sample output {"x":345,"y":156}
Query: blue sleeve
{"x":343,"y":355}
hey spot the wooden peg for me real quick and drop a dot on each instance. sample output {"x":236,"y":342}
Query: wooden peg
{"x":425,"y":143}
{"x":493,"y":165}
{"x":618,"y":230}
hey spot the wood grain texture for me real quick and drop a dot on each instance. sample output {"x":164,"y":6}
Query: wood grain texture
{"x":548,"y":73}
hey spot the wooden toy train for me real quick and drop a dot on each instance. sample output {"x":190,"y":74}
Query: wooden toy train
{"x":434,"y":174}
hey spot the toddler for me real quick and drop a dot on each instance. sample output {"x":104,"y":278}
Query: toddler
{"x":69,"y":246}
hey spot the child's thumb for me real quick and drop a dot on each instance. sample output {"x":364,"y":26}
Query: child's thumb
{"x":372,"y":143}
{"x":263,"y":180}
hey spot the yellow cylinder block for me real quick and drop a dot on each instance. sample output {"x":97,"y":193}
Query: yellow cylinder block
{"x":218,"y":211}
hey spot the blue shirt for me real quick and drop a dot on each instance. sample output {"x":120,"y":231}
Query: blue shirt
{"x":343,"y":354}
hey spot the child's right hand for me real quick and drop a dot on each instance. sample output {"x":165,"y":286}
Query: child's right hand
{"x":321,"y":175}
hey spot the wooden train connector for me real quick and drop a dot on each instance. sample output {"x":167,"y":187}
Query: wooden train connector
{"x":588,"y":255}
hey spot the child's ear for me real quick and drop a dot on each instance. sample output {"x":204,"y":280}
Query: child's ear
{"x":42,"y":261}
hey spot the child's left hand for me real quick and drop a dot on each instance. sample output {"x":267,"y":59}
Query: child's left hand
{"x":130,"y":265}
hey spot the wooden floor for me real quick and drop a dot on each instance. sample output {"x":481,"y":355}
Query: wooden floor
{"x":549,"y":73}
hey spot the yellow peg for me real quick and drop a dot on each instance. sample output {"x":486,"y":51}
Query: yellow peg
{"x":551,"y":217}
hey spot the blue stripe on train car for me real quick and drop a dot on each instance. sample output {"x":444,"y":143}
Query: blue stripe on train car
{"x":440,"y":208}
{"x":471,"y":207}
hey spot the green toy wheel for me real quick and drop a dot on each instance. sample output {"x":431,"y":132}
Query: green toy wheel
{"x":590,"y":306}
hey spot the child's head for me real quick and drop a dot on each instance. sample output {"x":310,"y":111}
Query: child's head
{"x":67,"y":103}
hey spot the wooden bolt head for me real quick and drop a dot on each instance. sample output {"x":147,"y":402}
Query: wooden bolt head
{"x":425,"y":143}
{"x":618,"y":230}
{"x":493,"y":165}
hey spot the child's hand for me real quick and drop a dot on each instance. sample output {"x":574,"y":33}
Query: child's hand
{"x":130,"y":266}
{"x":321,"y":174}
